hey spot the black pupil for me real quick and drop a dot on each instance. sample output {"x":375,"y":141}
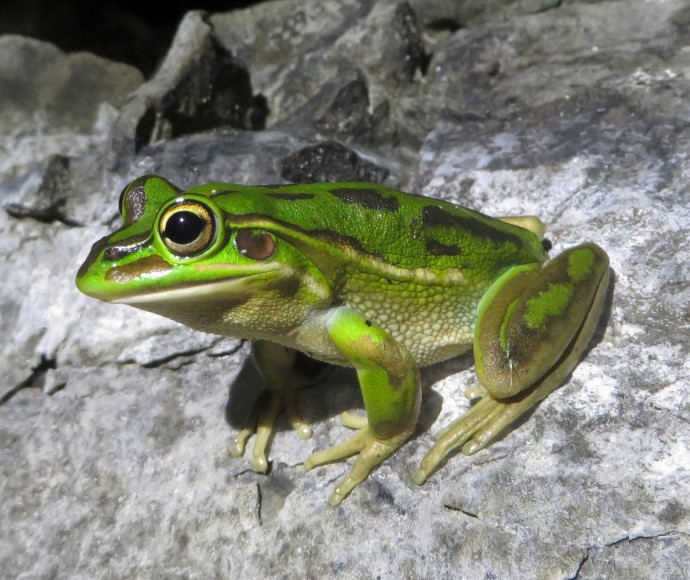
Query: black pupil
{"x":184,"y":227}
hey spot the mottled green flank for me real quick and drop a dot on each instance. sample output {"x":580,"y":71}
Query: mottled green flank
{"x":581,"y":264}
{"x":362,"y":275}
{"x":546,"y":304}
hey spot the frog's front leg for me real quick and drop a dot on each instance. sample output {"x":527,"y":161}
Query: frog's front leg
{"x":389,"y":379}
{"x":284,"y":371}
{"x":532,"y":327}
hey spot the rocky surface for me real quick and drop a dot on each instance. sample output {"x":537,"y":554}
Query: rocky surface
{"x":115,"y":425}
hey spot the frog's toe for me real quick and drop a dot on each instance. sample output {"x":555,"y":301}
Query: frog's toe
{"x":370,"y":452}
{"x":474,"y":430}
{"x":499,"y":416}
{"x":240,"y":442}
{"x":248,"y":429}
{"x":259,"y":459}
{"x":347,"y":448}
{"x":474,"y":392}
{"x":261,"y":423}
{"x":303,"y":430}
{"x":302,"y":427}
{"x":360,"y":471}
{"x":373,"y":453}
{"x":353,"y":421}
{"x":259,"y":462}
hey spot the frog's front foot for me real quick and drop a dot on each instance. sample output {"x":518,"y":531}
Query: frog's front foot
{"x":370,"y":452}
{"x":261,"y":421}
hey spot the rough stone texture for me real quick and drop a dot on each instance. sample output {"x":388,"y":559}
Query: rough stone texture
{"x":115,"y":425}
{"x":199,"y":86}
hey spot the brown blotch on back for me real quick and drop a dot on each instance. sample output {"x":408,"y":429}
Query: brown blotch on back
{"x":436,"y":248}
{"x":367,"y":198}
{"x":436,"y":216}
{"x":337,"y":239}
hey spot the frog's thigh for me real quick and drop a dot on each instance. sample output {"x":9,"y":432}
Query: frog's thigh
{"x":530,"y":317}
{"x":532,"y":327}
{"x":390,"y":386}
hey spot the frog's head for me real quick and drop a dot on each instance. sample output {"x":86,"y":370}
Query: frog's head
{"x":180,"y":255}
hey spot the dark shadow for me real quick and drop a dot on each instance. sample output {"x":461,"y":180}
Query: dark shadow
{"x":337,"y":392}
{"x":243,"y":393}
{"x":247,"y":387}
{"x":432,"y":401}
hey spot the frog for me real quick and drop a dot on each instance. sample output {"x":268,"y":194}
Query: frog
{"x":360,"y":275}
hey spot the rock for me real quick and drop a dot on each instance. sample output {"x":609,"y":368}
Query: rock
{"x":46,"y":201}
{"x":330,"y":161}
{"x":116,"y":425}
{"x":199,"y":86}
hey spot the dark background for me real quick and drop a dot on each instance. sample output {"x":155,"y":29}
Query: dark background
{"x":137,"y":32}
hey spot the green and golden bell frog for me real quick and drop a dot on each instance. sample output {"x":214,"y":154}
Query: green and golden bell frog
{"x":362,"y":275}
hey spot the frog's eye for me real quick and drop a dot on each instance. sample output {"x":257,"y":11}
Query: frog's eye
{"x":187,"y":228}
{"x":255,"y":244}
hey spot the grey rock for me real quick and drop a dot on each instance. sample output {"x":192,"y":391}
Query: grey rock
{"x":115,"y":425}
{"x":274,"y":38}
{"x":198,"y":86}
{"x":330,"y":161}
{"x":46,"y":200}
{"x":55,"y":110}
{"x":382,"y":43}
{"x":340,"y":108}
{"x":44,"y":89}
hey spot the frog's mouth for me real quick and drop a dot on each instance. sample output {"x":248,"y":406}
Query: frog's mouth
{"x":239,"y":285}
{"x":160,"y":282}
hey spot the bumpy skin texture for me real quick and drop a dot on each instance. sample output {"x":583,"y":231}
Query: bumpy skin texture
{"x":361,"y":275}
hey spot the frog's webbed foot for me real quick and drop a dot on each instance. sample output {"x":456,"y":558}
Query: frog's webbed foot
{"x":473,"y":431}
{"x":485,"y":421}
{"x":261,"y":422}
{"x":370,"y":452}
{"x":284,"y":372}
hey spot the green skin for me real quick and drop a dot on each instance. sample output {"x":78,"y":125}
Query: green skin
{"x":361,"y":275}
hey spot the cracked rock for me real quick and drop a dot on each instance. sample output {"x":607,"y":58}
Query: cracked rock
{"x":118,"y":462}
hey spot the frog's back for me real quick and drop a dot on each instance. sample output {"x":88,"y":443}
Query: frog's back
{"x":377,"y":227}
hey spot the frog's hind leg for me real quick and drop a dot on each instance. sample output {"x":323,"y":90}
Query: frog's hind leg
{"x":532,"y":328}
{"x":478,"y":427}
